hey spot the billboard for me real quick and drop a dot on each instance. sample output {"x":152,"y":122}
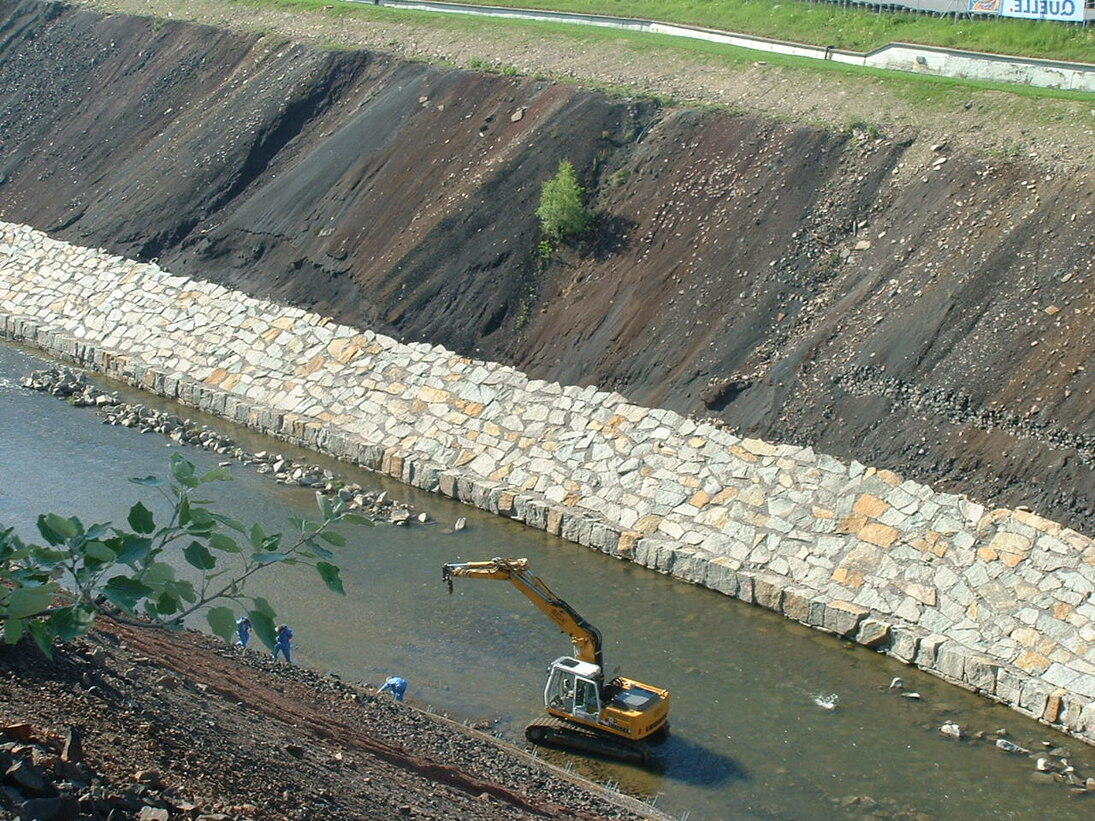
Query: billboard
{"x":1067,"y":10}
{"x":1044,"y":9}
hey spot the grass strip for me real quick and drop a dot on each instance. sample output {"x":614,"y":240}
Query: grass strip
{"x":847,"y":26}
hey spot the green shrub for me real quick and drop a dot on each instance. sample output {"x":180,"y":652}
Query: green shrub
{"x":562,"y":213}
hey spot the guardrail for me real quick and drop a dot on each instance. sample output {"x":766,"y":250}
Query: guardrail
{"x":908,"y":57}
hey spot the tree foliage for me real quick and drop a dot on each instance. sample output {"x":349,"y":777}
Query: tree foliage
{"x":54,"y":591}
{"x":562,"y":213}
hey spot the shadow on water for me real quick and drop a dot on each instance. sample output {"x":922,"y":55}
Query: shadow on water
{"x":687,"y":762}
{"x":676,"y":759}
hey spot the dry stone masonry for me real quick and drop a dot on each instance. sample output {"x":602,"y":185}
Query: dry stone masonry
{"x":998,"y":601}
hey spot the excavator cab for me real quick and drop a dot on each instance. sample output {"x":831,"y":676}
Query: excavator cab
{"x":576,"y":692}
{"x":619,"y":720}
{"x":572,"y":690}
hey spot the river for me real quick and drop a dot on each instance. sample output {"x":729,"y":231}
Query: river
{"x":770,"y":719}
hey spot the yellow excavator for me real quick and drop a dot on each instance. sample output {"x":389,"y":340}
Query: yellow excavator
{"x":619,"y":719}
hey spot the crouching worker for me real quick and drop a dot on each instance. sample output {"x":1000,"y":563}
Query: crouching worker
{"x":281,"y":643}
{"x":396,"y":685}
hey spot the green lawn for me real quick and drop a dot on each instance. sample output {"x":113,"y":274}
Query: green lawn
{"x":850,"y":28}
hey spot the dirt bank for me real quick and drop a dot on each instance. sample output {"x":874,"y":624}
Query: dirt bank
{"x":183,"y":724}
{"x":907,"y":284}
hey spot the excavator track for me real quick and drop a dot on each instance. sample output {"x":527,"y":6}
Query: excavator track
{"x":552,"y":732}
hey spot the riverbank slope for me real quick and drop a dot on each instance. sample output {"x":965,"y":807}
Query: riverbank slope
{"x":996,"y":600}
{"x":146,"y":724}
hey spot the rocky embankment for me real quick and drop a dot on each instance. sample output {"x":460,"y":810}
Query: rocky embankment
{"x":997,"y":600}
{"x":137,"y":724}
{"x":76,"y":388}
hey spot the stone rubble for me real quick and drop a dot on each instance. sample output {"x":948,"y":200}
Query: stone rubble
{"x":45,"y":776}
{"x":77,"y":389}
{"x":997,"y":601}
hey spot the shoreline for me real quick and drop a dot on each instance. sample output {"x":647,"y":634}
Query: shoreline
{"x":180,"y":723}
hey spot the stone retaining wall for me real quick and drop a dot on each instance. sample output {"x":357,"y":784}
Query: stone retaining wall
{"x":998,"y":601}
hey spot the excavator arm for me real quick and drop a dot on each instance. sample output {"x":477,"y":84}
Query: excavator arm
{"x":586,"y":637}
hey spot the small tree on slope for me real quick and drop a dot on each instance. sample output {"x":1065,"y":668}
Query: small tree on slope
{"x":562,"y":213}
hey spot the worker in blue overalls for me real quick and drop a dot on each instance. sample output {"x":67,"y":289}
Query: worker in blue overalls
{"x":243,"y":631}
{"x":396,"y":685}
{"x":281,"y":643}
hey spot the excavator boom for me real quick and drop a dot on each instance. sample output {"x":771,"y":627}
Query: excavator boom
{"x":586,"y":637}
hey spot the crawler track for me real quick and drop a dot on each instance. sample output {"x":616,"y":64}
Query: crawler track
{"x":551,"y":732}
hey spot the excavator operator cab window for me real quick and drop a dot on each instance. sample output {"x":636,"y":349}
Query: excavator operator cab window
{"x":586,"y":700}
{"x":560,"y":691}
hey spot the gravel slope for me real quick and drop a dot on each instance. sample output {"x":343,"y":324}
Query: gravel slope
{"x":179,"y":722}
{"x":1051,"y":131}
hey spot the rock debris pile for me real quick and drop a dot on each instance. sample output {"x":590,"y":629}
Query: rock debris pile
{"x":74,"y":386}
{"x":46,"y":778}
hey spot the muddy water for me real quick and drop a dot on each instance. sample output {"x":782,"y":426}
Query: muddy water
{"x":770,"y":720}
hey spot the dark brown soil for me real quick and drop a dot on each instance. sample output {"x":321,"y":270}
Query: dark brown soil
{"x":182,"y":723}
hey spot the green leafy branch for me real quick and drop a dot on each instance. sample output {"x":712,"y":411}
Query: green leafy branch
{"x":54,"y":592}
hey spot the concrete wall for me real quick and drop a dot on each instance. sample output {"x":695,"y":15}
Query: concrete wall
{"x":974,"y":66}
{"x":998,"y":601}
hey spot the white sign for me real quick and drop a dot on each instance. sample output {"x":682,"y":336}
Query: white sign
{"x":1044,"y":9}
